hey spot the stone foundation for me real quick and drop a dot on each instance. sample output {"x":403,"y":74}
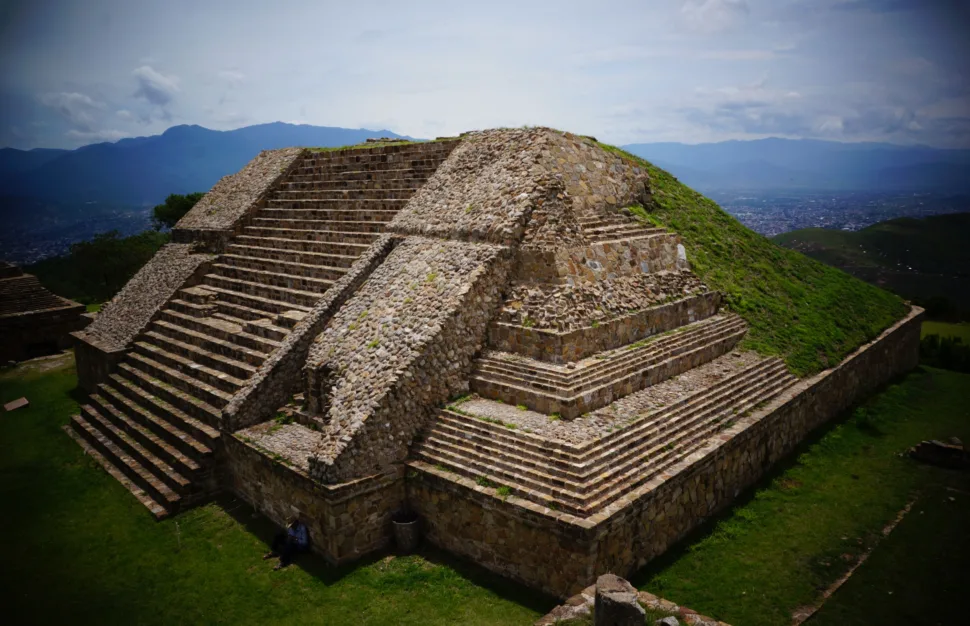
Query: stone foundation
{"x":345,"y":521}
{"x":560,"y":554}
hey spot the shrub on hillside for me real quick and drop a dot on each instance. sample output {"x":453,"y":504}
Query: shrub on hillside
{"x":167,"y":214}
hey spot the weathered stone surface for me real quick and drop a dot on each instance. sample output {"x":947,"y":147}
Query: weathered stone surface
{"x":127,"y":314}
{"x":616,"y":603}
{"x":398,"y":349}
{"x":234,"y":196}
{"x":667,"y":621}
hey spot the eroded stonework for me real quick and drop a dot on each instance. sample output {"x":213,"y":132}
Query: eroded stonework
{"x":477,"y":329}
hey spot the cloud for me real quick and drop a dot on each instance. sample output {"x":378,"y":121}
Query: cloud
{"x":98,"y":135}
{"x":155,"y":88}
{"x":878,"y":6}
{"x":233,"y":77}
{"x":125,"y":114}
{"x":76,"y":108}
{"x":711,"y":16}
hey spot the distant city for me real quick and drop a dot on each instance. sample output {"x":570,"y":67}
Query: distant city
{"x":24,"y":246}
{"x":767,"y":213}
{"x":771,"y":214}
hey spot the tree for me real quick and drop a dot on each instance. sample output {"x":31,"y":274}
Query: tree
{"x":176,"y":205}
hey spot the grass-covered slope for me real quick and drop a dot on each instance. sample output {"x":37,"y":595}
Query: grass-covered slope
{"x":808,"y":312}
{"x":923,"y":259}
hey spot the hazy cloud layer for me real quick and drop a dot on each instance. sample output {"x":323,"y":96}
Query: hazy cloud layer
{"x":624,"y":70}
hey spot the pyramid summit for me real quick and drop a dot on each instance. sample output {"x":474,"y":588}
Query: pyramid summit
{"x":556,"y":355}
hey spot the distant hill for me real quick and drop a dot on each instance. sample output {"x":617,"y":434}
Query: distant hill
{"x":789,"y":164}
{"x":927,"y":260}
{"x":144,"y":170}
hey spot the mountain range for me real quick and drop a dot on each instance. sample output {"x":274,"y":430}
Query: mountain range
{"x":142,"y":171}
{"x":775,"y":164}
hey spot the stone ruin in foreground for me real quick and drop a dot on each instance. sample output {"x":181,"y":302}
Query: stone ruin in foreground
{"x":34,"y":321}
{"x":475,"y":329}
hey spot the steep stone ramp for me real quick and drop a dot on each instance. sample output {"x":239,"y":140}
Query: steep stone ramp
{"x":399,"y":348}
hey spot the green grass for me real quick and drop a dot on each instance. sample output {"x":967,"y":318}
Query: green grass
{"x":810,"y":313}
{"x":922,"y":259}
{"x":80,"y":549}
{"x":945,"y":329}
{"x":798,"y":530}
{"x":94,"y":308}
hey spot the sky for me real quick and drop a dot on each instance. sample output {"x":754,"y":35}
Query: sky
{"x":626,"y":71}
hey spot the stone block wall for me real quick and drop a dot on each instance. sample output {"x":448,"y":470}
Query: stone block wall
{"x":344,"y":521}
{"x":399,"y":349}
{"x":561,"y":347}
{"x":560,"y":554}
{"x":280,"y":376}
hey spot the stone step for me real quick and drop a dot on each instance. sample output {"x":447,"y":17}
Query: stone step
{"x":220,"y":329}
{"x":290,"y":268}
{"x":331,"y":235}
{"x":302,"y":257}
{"x":377,"y":162}
{"x":399,"y":193}
{"x":520,"y":485}
{"x":583,"y":491}
{"x":403,"y":177}
{"x":227,"y":350}
{"x":668,"y":358}
{"x":572,"y":455}
{"x":386,"y":159}
{"x":669,"y":453}
{"x":587,"y":372}
{"x":211,"y":376}
{"x":172,"y":395}
{"x":274,"y":278}
{"x":201,"y":437}
{"x":247,"y":306}
{"x":318,"y":226}
{"x":157,"y":490}
{"x":305,"y":246}
{"x":343,"y":183}
{"x":283,"y":296}
{"x":158,"y":511}
{"x":179,"y":380}
{"x":301,"y":213}
{"x":394,"y":147}
{"x":165,"y":462}
{"x":163,"y":422}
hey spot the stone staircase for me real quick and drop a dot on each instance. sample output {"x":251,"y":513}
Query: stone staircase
{"x":583,"y":479}
{"x":612,"y":228}
{"x":155,"y":423}
{"x":577,"y":388}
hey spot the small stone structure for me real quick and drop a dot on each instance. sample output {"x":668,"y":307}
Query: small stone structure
{"x":582,"y":605}
{"x":33,"y":321}
{"x":473,"y":329}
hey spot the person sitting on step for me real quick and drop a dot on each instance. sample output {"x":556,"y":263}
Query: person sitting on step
{"x":288,"y":543}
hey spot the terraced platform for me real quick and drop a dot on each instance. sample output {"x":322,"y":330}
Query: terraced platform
{"x":582,"y":386}
{"x":522,"y":450}
{"x":157,"y":419}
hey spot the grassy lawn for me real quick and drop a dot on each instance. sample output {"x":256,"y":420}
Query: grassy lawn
{"x":79,"y":549}
{"x":799,"y":530}
{"x":946,"y":329}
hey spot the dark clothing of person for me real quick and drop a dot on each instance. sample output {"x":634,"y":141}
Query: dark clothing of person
{"x":287,"y":546}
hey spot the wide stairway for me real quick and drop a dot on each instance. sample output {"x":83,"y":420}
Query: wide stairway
{"x":155,"y":424}
{"x":583,"y":479}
